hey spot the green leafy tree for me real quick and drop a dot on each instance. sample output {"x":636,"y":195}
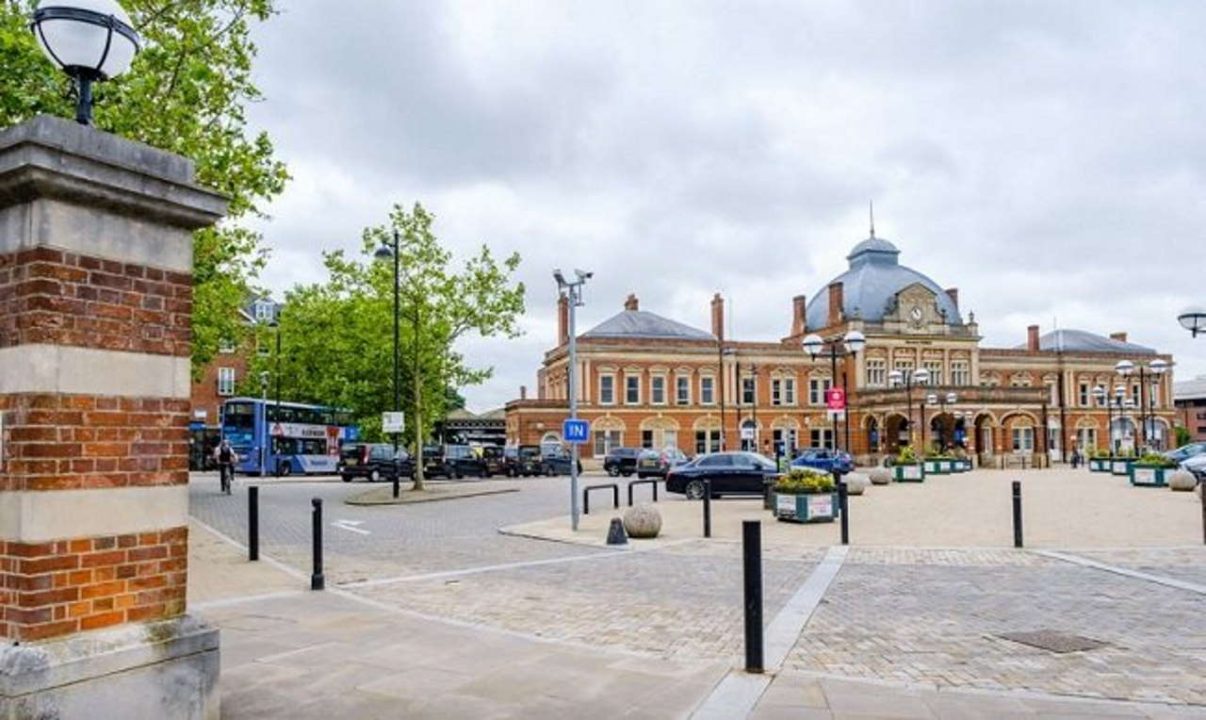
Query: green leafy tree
{"x":1183,"y":435}
{"x":186,"y":93}
{"x":337,"y":336}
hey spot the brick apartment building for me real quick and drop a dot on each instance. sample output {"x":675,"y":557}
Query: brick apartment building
{"x":1190,"y":399}
{"x":647,"y":380}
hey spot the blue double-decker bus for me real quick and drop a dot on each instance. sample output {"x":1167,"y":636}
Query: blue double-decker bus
{"x":285,"y":438}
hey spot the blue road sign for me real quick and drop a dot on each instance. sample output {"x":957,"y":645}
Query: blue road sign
{"x":576,"y":431}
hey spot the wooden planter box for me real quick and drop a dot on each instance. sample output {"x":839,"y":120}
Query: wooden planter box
{"x":908,"y":473}
{"x":1149,"y":475}
{"x":1121,"y":468}
{"x":1099,"y":465}
{"x":811,"y":508}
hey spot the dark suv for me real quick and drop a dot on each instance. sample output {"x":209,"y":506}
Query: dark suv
{"x":524,"y":461}
{"x":452,"y":461}
{"x":373,"y":461}
{"x":557,"y":461}
{"x":621,"y":461}
{"x":494,"y":461}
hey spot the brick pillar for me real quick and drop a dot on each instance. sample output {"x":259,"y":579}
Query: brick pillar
{"x":95,"y":313}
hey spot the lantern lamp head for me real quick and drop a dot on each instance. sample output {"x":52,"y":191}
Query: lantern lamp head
{"x":89,"y":40}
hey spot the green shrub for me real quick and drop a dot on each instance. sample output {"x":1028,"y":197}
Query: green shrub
{"x":1101,"y":454}
{"x":906,"y":456}
{"x":805,"y":481}
{"x":1156,"y":460}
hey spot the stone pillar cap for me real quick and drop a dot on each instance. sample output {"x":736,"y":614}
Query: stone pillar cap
{"x":56,"y":158}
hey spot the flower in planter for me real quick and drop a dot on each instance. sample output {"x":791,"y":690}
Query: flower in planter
{"x":906,"y":456}
{"x":805,"y":481}
{"x":1156,"y":460}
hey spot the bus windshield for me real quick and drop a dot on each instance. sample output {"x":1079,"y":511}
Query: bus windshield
{"x":239,"y":416}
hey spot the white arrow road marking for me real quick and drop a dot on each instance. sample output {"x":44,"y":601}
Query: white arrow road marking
{"x":350,"y":526}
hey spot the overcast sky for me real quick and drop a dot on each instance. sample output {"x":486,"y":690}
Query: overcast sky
{"x":1045,"y":158}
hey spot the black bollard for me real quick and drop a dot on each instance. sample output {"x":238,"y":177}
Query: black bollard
{"x":751,"y":546}
{"x":317,"y":581}
{"x":253,"y":523}
{"x":1017,"y":514}
{"x":616,"y":534}
{"x":1202,"y":494}
{"x":397,"y":486}
{"x":844,"y":510}
{"x":707,"y":508}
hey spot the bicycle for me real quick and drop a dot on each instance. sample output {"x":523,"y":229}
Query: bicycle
{"x":225,"y":476}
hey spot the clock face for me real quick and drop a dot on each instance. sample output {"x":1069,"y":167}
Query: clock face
{"x":915,"y":313}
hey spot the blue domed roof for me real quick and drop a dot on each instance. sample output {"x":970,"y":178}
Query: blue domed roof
{"x":869,"y":286}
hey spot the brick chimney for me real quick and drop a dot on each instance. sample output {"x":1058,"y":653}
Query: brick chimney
{"x":718,"y":316}
{"x":1119,"y":336}
{"x":953,"y":294}
{"x":835,"y":303}
{"x":1032,"y":338}
{"x":523,"y":392}
{"x":798,"y":306}
{"x":562,"y":319}
{"x":632,"y":303}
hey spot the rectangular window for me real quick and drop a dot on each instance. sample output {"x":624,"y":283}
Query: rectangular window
{"x":605,"y":440}
{"x":682,"y":390}
{"x":1084,"y":394}
{"x":632,"y":390}
{"x":646,"y":438}
{"x":707,"y":390}
{"x":817,"y":387}
{"x":226,"y":381}
{"x":821,"y":438}
{"x":1023,"y":440}
{"x":607,"y":389}
{"x":1135,"y":395}
{"x":1086,"y":439}
{"x":263,"y":311}
{"x":669,"y":439}
{"x":935,"y":369}
{"x":877,"y":373}
{"x":226,"y":346}
{"x":707,"y":441}
{"x":658,"y":390}
{"x":748,"y":388}
{"x":789,"y":391}
{"x":776,"y":391}
{"x":960,"y":375}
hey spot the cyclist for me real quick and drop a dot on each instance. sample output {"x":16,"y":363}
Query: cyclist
{"x":226,"y":458}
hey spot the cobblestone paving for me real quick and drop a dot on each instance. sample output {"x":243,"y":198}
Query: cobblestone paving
{"x":938,"y":623}
{"x":683,"y":602}
{"x":1186,"y":564}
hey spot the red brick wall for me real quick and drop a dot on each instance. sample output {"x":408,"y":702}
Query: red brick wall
{"x":61,"y":298}
{"x":55,"y":588}
{"x":205,"y":391}
{"x":57,"y":442}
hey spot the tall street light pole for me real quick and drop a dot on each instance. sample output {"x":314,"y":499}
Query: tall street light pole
{"x":852,"y":342}
{"x":276,"y":325}
{"x":573,"y":291}
{"x":1194,"y":320}
{"x":919,"y":377}
{"x":941,"y":401}
{"x":264,"y":440}
{"x":385,"y":252}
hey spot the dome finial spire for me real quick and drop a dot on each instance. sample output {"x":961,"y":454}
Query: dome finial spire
{"x":871,"y":207}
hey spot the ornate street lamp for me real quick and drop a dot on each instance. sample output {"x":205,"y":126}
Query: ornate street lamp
{"x":1152,"y":374}
{"x":919,"y":377}
{"x":90,"y":40}
{"x":572,"y":289}
{"x":941,"y":401}
{"x":852,"y":343}
{"x":385,"y":253}
{"x":1193,"y":319}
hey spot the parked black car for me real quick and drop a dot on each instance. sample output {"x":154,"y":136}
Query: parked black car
{"x":374,"y":461}
{"x":731,"y":473}
{"x":557,"y":461}
{"x":523,"y":461}
{"x":452,"y":462}
{"x":621,"y":461}
{"x":494,"y":460}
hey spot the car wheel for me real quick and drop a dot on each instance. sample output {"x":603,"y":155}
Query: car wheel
{"x":627,"y":474}
{"x":374,"y":475}
{"x":694,"y":490}
{"x":346,"y":478}
{"x":613,"y":472}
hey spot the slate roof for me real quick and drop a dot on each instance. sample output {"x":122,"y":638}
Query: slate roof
{"x":1083,"y":341}
{"x":869,"y":286}
{"x":1190,"y":389}
{"x":644,"y":324}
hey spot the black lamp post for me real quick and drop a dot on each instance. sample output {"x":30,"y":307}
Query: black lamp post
{"x":383,"y":253}
{"x":898,"y":379}
{"x":89,"y":40}
{"x":850,"y":345}
{"x":276,"y":326}
{"x":1151,"y":373}
{"x":941,"y":401}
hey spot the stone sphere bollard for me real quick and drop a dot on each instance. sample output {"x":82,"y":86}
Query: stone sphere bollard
{"x":642,"y":521}
{"x":1182,"y":480}
{"x":881,"y":476}
{"x":856,"y":483}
